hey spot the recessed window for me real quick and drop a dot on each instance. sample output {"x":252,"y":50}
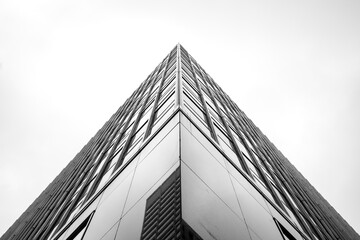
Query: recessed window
{"x":163,"y":210}
{"x":284,"y":232}
{"x":79,"y":232}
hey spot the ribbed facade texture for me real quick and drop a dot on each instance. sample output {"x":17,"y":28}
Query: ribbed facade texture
{"x":180,"y":160}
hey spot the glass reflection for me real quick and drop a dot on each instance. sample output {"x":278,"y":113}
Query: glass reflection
{"x":275,"y":213}
{"x":110,"y":235}
{"x":131,"y":224}
{"x":205,"y":213}
{"x":154,"y":140}
{"x":256,"y":217}
{"x":244,"y":182}
{"x":202,"y":140}
{"x":80,"y":219}
{"x":154,"y":166}
{"x":109,"y":211}
{"x":208,"y":169}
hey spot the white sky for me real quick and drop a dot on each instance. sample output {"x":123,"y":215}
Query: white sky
{"x":292,"y":66}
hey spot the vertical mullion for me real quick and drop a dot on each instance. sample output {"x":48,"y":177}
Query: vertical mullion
{"x":102,"y":151}
{"x":247,"y":130}
{"x":207,"y":115}
{"x":156,"y":101}
{"x":291,"y":184}
{"x":317,"y":210}
{"x":316,"y":216}
{"x":58,"y":198}
{"x":327,"y":225}
{"x":237,"y":150}
{"x":89,"y":175}
{"x":134,"y":128}
{"x":280,"y":187}
{"x":121,"y":134}
{"x":59,"y":201}
{"x":93,"y":147}
{"x":53,"y":195}
{"x":95,"y":151}
{"x":299,"y":190}
{"x":259,"y":169}
{"x":42,"y":206}
{"x":178,"y":93}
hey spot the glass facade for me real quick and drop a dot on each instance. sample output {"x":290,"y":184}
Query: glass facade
{"x":180,"y":160}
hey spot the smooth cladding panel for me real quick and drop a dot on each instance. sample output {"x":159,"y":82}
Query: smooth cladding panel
{"x":131,"y":223}
{"x":119,"y":210}
{"x":215,"y":195}
{"x":206,"y":213}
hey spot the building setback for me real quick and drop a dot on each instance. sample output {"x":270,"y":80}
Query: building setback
{"x":180,"y":160}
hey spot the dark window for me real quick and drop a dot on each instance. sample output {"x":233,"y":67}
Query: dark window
{"x":79,"y":232}
{"x":284,"y":232}
{"x":162,"y":218}
{"x":163,"y":211}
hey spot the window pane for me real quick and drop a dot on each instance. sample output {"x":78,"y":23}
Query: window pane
{"x":206,"y":213}
{"x":208,"y":169}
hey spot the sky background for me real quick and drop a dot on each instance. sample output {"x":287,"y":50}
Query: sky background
{"x":292,"y":66}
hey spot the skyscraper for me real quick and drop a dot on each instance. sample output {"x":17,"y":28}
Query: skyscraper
{"x":180,"y":160}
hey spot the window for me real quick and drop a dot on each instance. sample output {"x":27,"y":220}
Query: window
{"x":283,"y":231}
{"x":79,"y":232}
{"x":168,"y":81}
{"x":162,"y":114}
{"x":163,"y":210}
{"x":196,"y":111}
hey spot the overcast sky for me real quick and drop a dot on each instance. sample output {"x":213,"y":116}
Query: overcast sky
{"x":292,"y":66}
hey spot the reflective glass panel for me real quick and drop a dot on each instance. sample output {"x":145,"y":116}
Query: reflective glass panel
{"x":161,"y":117}
{"x":275,"y":213}
{"x":128,"y":172}
{"x":206,"y":213}
{"x":241,"y":179}
{"x":256,"y":217}
{"x":200,"y":123}
{"x":159,"y":136}
{"x":131,"y":224}
{"x":227,"y":150}
{"x":80,"y":219}
{"x":79,"y":235}
{"x":205,"y":142}
{"x":154,"y":166}
{"x":110,"y":235}
{"x":206,"y":167}
{"x":109,"y":211}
